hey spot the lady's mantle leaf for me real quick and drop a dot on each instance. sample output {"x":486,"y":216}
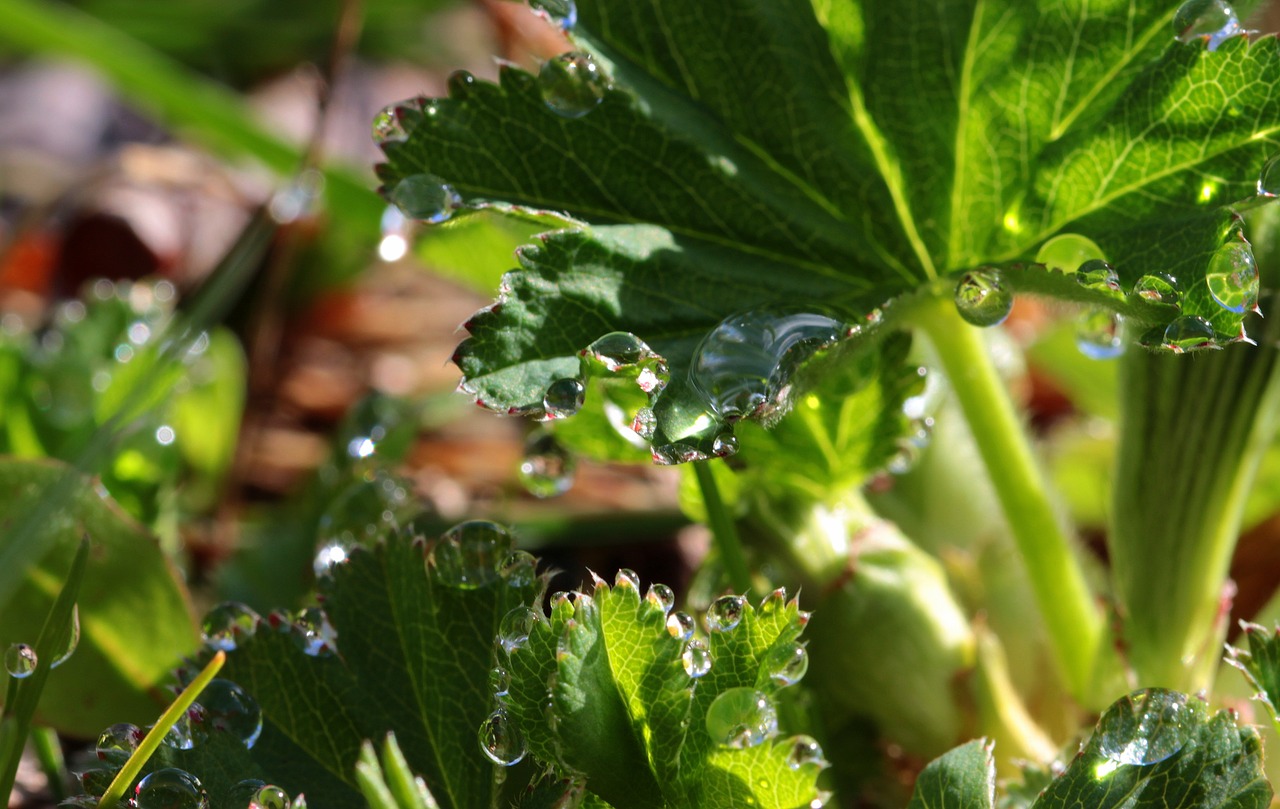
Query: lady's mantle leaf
{"x":614,"y":687}
{"x":1260,"y":664}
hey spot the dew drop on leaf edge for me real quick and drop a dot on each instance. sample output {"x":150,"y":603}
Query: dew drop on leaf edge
{"x":20,"y":660}
{"x":725,"y":613}
{"x":563,"y":13}
{"x":805,"y":751}
{"x":227,"y":624}
{"x":228,"y":708}
{"x":1269,"y":178}
{"x":572,"y":84}
{"x":1099,"y":276}
{"x":680,"y":625}
{"x":1157,"y":288}
{"x":1232,"y":277}
{"x":982,"y":298}
{"x":696,"y":658}
{"x":1148,"y":726}
{"x":563,"y":398}
{"x":117,"y":743}
{"x":425,"y":197}
{"x":1215,"y":20}
{"x":468,"y":554}
{"x":500,"y":739}
{"x":786,"y":665}
{"x":1189,"y":332}
{"x":270,"y":796}
{"x":170,"y":788}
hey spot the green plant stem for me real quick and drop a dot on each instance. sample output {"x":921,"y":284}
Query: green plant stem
{"x":1062,"y":594}
{"x":48,"y":750}
{"x":157,"y":733}
{"x":723,"y":532}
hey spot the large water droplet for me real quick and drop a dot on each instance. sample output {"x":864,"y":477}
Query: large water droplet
{"x":572,"y":84}
{"x":314,"y":634}
{"x":1148,"y":726}
{"x":118,"y":742}
{"x":170,"y":788}
{"x":1098,"y":335}
{"x":725,"y":613}
{"x":270,"y":796}
{"x":562,"y":12}
{"x":742,"y":717}
{"x":805,"y":751}
{"x":1213,"y":20}
{"x":680,"y":625}
{"x":519,"y":569}
{"x":563,"y":398}
{"x":1157,"y":288}
{"x":1188,"y":333}
{"x":500,"y":739}
{"x":743,"y":366}
{"x":548,"y":468}
{"x":228,"y":708}
{"x":696,"y":658}
{"x":660,"y":596}
{"x":1099,"y":276}
{"x":1232,"y":277}
{"x":1067,"y":251}
{"x":244,"y":793}
{"x":425,"y":197}
{"x":1269,"y":178}
{"x":514,"y":629}
{"x":20,"y":660}
{"x":982,"y":298}
{"x":468,"y":554}
{"x":228,"y":625}
{"x":785,"y":665}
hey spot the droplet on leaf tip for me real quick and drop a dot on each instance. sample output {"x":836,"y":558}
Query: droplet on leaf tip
{"x":696,"y":658}
{"x":982,"y":298}
{"x":500,"y":739}
{"x":425,"y":197}
{"x":725,"y":613}
{"x":1232,"y":277}
{"x":563,"y":398}
{"x":1212,"y":20}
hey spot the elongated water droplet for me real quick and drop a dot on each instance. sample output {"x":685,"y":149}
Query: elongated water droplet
{"x":725,"y":613}
{"x":118,"y":742}
{"x":20,"y":660}
{"x":270,"y":796}
{"x":499,"y":681}
{"x":696,"y":658}
{"x":1157,"y":288}
{"x":680,"y":625}
{"x":982,"y":298}
{"x":514,"y":629}
{"x":519,"y":569}
{"x":228,"y":708}
{"x":425,"y":197}
{"x":661,"y":596}
{"x":1067,"y":251}
{"x":742,"y":717}
{"x":1213,"y":20}
{"x":562,"y":12}
{"x":572,"y":84}
{"x":468,"y":554}
{"x":785,"y":665}
{"x":805,"y":751}
{"x":1232,"y":277}
{"x":548,"y":468}
{"x":500,"y":739}
{"x":228,"y":625}
{"x":170,"y":788}
{"x":73,"y":639}
{"x":1100,"y":276}
{"x":743,"y":366}
{"x":1098,"y":335}
{"x":1269,"y":178}
{"x":314,"y":634}
{"x":563,"y":398}
{"x":1148,"y":726}
{"x":1187,"y":333}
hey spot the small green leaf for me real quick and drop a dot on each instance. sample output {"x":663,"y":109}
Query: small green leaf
{"x":964,"y":778}
{"x":1260,"y":663}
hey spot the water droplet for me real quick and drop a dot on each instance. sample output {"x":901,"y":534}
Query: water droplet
{"x":363,"y":512}
{"x":622,"y":354}
{"x":519,"y":569}
{"x":1098,"y":335}
{"x":20,"y":660}
{"x":680,"y":625}
{"x":627,"y":578}
{"x":514,"y":629}
{"x":548,"y":468}
{"x":725,"y":445}
{"x":425,"y":197}
{"x":1099,"y":276}
{"x":661,"y":596}
{"x":982,"y":298}
{"x":725,"y":613}
{"x":786,"y":665}
{"x":671,"y":454}
{"x":313,"y":633}
{"x":329,"y":556}
{"x":743,"y":366}
{"x":696,"y":658}
{"x":73,"y":640}
{"x":563,"y":398}
{"x":805,"y":751}
{"x":1232,"y":277}
{"x":645,"y":423}
{"x":388,"y":125}
{"x":742,"y":717}
{"x":562,"y":12}
{"x":1157,"y":288}
{"x":499,"y":681}
{"x":1067,"y":251}
{"x":228,"y":625}
{"x":1187,"y":333}
{"x":572,"y":84}
{"x":170,"y":788}
{"x":500,"y":739}
{"x":118,"y":742}
{"x":228,"y":708}
{"x":1213,"y":20}
{"x":1269,"y":178}
{"x":467,"y":555}
{"x":1148,"y":726}
{"x":270,"y":796}
{"x":245,"y":792}
{"x":188,"y":731}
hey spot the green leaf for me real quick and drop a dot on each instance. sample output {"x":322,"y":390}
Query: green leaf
{"x":831,"y":156}
{"x":135,"y":617}
{"x":603,"y":688}
{"x":964,"y":778}
{"x":1260,"y":663}
{"x":414,"y":636}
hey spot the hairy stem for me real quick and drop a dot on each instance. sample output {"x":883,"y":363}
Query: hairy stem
{"x":1062,"y":595}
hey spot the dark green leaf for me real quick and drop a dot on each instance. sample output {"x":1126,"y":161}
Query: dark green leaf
{"x":964,"y":778}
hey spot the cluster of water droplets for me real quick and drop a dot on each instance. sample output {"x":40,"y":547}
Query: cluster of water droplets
{"x":1214,"y":21}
